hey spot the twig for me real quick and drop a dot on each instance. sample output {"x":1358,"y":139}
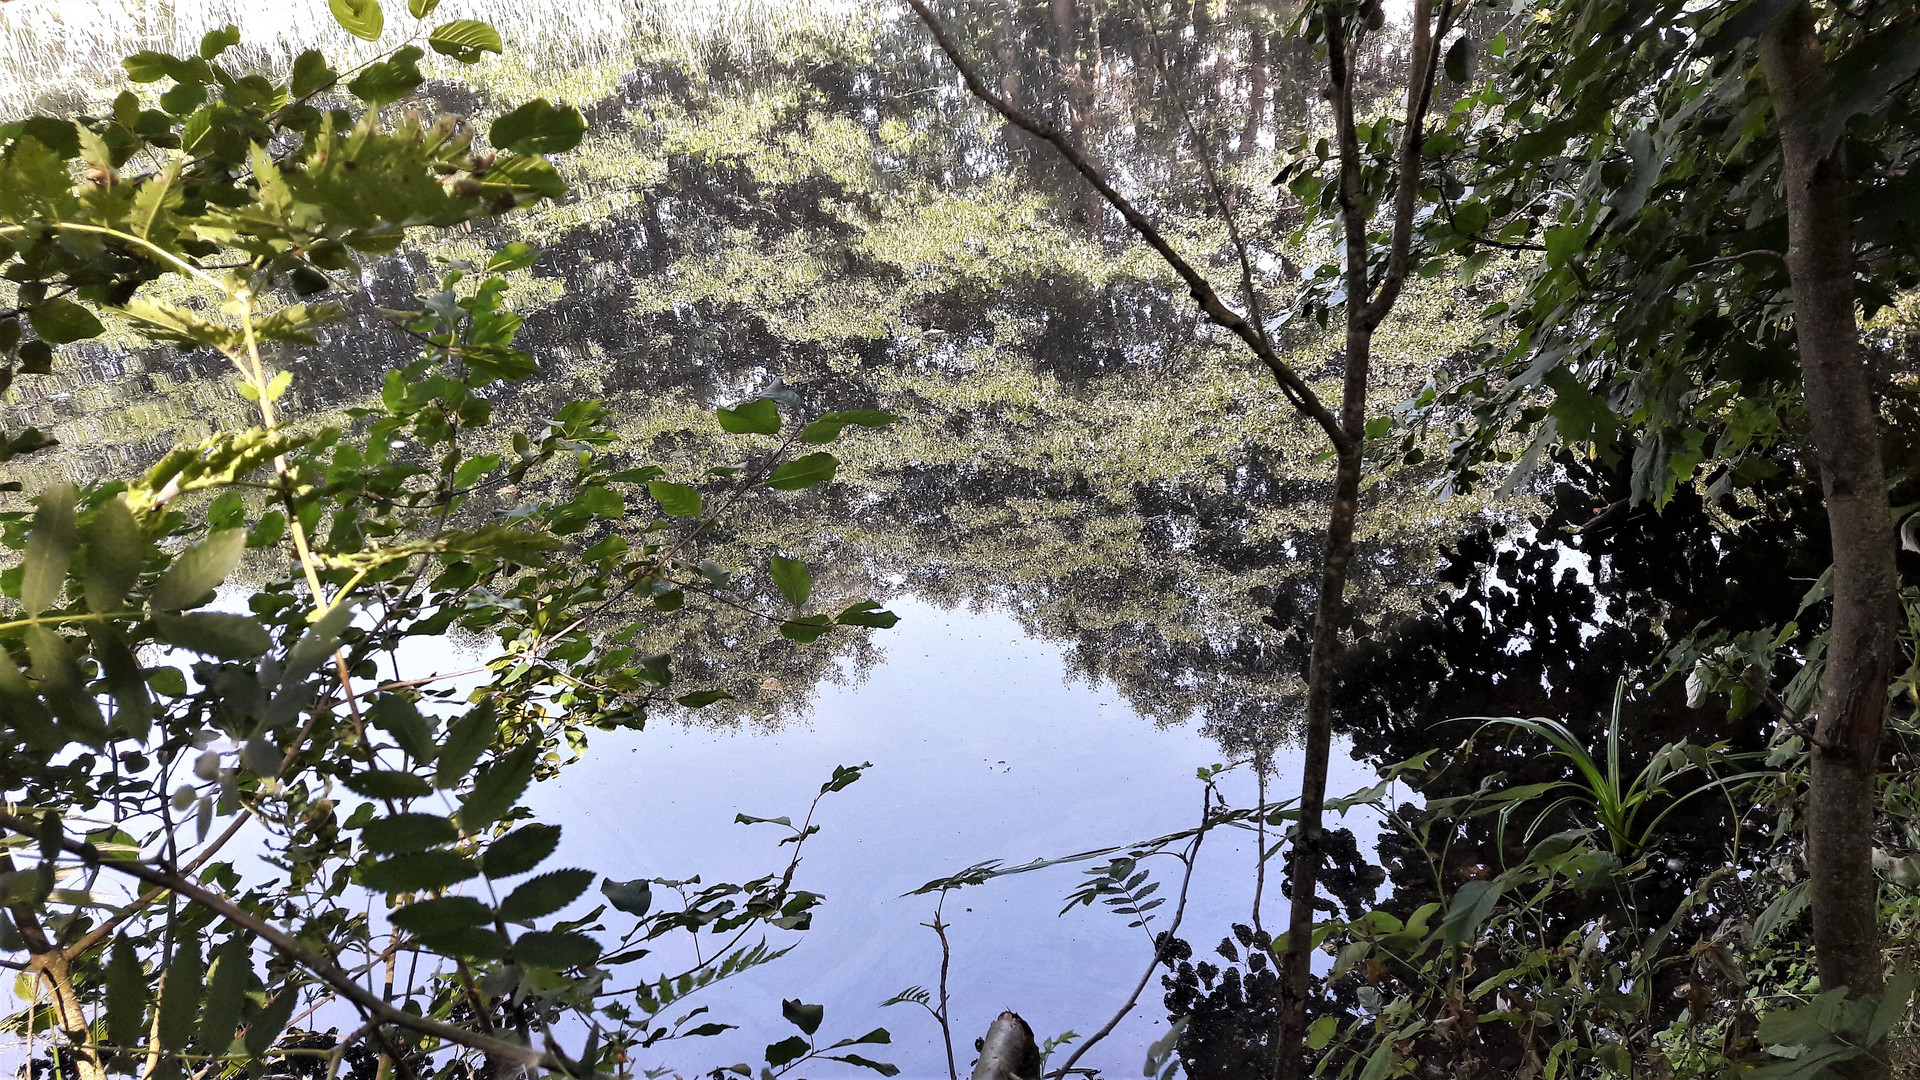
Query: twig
{"x":1159,"y":953}
{"x":321,"y":967}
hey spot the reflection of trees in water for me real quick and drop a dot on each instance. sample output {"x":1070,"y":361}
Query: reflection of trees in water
{"x":1071,"y":452}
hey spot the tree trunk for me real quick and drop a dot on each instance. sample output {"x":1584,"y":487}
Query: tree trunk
{"x":1256,"y":93}
{"x":1846,"y":434}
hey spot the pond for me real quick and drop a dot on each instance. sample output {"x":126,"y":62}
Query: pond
{"x":1096,"y":519}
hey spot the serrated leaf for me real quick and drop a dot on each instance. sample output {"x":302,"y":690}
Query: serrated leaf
{"x":678,"y":500}
{"x":520,"y":850}
{"x":389,"y":784}
{"x":180,"y":995}
{"x":126,"y":680}
{"x":126,"y":995}
{"x":757,"y":417}
{"x":400,"y":718}
{"x":198,"y":570}
{"x":216,"y":634}
{"x":361,"y":18}
{"x":467,"y":740}
{"x":418,"y":872}
{"x":398,"y":834}
{"x":442,"y":915}
{"x":538,"y":127}
{"x":633,"y":897}
{"x":804,"y":472}
{"x":555,"y":949}
{"x":50,"y":547}
{"x":116,"y":550}
{"x":267,"y":1024}
{"x":466,"y":40}
{"x":545,"y":894}
{"x":496,"y":790}
{"x":791,"y":575}
{"x":226,"y":994}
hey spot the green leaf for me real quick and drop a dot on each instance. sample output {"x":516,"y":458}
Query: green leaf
{"x":226,"y":995}
{"x":420,"y":9}
{"x":180,"y":989}
{"x":1380,"y":1063}
{"x":215,"y":42}
{"x":50,"y":547}
{"x":555,"y":950}
{"x":828,"y":427}
{"x":466,"y":40}
{"x":389,"y":80}
{"x":538,"y":127}
{"x":757,"y":417}
{"x":61,"y":321}
{"x":702,"y":698}
{"x":116,"y":550}
{"x":1322,"y":1032}
{"x":267,"y":1024}
{"x":867,"y":613}
{"x":633,"y":897}
{"x":791,"y":575}
{"x":227,"y":637}
{"x":199,"y":570}
{"x":804,"y":472}
{"x":126,"y":680}
{"x":805,"y":1017}
{"x":414,"y":873}
{"x":442,"y":914}
{"x":1469,"y":908}
{"x":496,"y":790}
{"x":520,"y":850}
{"x":676,"y":499}
{"x":497,"y":362}
{"x":389,"y":784}
{"x":467,"y":739}
{"x":361,"y":18}
{"x":397,"y":834}
{"x":401,"y":719}
{"x":515,"y":256}
{"x":786,"y":1050}
{"x":311,"y":73}
{"x":805,"y":630}
{"x":544,"y":895}
{"x":126,"y":995}
{"x":1459,"y":62}
{"x":1564,"y":242}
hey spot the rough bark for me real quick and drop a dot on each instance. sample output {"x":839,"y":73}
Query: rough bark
{"x":1846,"y":434}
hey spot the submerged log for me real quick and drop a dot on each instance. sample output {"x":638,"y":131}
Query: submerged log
{"x":1008,"y":1052}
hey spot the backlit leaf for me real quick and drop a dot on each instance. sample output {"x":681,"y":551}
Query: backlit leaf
{"x":61,"y":321}
{"x":389,"y":784}
{"x":180,"y":996}
{"x":804,"y":472}
{"x":413,"y":873}
{"x":538,"y":127}
{"x":791,"y":575}
{"x":520,"y":850}
{"x":116,"y":550}
{"x":758,"y":417}
{"x":396,"y":834}
{"x":198,"y":570}
{"x":466,"y":40}
{"x":50,"y":549}
{"x":126,"y":995}
{"x":442,"y":914}
{"x":544,"y":895}
{"x":361,"y":18}
{"x":633,"y":897}
{"x":496,"y":790}
{"x":227,"y":637}
{"x":555,"y":950}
